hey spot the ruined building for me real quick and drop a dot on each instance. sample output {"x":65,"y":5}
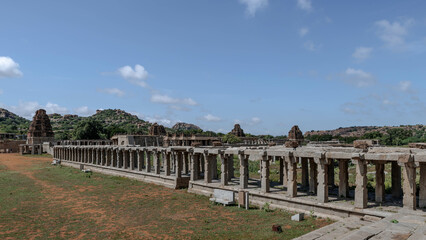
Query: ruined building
{"x":237,"y":131}
{"x":40,"y":129}
{"x":157,"y":130}
{"x":295,"y":137}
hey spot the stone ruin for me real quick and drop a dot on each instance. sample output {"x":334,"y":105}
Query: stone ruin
{"x":40,"y":129}
{"x":237,"y":131}
{"x":295,"y":137}
{"x":157,"y":130}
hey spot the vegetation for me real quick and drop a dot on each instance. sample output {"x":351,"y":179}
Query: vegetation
{"x":11,"y":123}
{"x":38,"y":200}
{"x":231,"y":139}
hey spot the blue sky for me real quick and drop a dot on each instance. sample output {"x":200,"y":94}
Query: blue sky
{"x":265,"y":64}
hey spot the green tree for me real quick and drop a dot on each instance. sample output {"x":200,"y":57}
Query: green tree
{"x":89,"y":129}
{"x":230,"y":138}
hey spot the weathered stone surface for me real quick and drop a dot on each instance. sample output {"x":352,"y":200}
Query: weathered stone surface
{"x":185,"y":126}
{"x":157,"y":130}
{"x":40,"y":129}
{"x":362,"y":144}
{"x":238,"y":131}
{"x":295,"y":137}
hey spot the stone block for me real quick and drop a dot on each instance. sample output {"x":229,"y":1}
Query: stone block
{"x":298,"y":217}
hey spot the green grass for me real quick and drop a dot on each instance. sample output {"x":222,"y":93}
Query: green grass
{"x":65,"y":203}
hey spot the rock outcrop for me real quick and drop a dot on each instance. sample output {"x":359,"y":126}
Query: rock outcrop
{"x":181,"y":126}
{"x":157,"y":130}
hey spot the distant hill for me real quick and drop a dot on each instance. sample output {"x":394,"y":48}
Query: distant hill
{"x":362,"y":130}
{"x":181,"y":126}
{"x":12,"y":123}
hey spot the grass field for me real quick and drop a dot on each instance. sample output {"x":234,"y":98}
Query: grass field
{"x":41,"y":201}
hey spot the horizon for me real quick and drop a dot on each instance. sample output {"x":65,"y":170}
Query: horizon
{"x":267,"y":65}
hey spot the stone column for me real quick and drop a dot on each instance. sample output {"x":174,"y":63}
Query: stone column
{"x":224,"y":169}
{"x":207,"y":169}
{"x":331,"y":173}
{"x":213,"y":165}
{"x":185,"y":163}
{"x":93,"y":157}
{"x":147,"y":161}
{"x":179,"y":163}
{"x":313,"y":172}
{"x":361,"y":191}
{"x":113,"y":158}
{"x":285,"y":171}
{"x":167,"y":167}
{"x":195,"y":166}
{"x":132,"y":159}
{"x":98,"y":156}
{"x":322,"y":190}
{"x":305,"y":173}
{"x":243,"y":171}
{"x":396,"y":180}
{"x":409,"y":185}
{"x":101,"y":155}
{"x":280,"y":170}
{"x":230,"y":166}
{"x":264,"y":183}
{"x":292,"y":176}
{"x":119,"y":158}
{"x":156,"y":162}
{"x":380,"y":182}
{"x":140,"y":159}
{"x":422,"y":193}
{"x":343,"y":178}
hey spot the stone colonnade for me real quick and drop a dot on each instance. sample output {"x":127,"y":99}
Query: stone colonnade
{"x":318,"y":166}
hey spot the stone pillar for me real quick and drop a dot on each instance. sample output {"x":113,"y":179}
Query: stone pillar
{"x":132,"y":159}
{"x":264,"y":182}
{"x":422,"y":193}
{"x":98,"y":156}
{"x":343,"y":178}
{"x":167,"y":166}
{"x":93,"y":157}
{"x":113,"y":158}
{"x":185,"y":163}
{"x":119,"y":158}
{"x":361,"y":191}
{"x":179,"y":163}
{"x":285,"y":172}
{"x":292,"y":176}
{"x":396,"y":180}
{"x":331,"y":173}
{"x":322,"y":190}
{"x":101,"y":155}
{"x":230,"y":167}
{"x":195,"y":166}
{"x":156,"y":162}
{"x":409,"y":184}
{"x":147,"y":161}
{"x":224,"y":169}
{"x":243,"y":171}
{"x":281,"y":170}
{"x":140,"y":160}
{"x":305,"y":173}
{"x":207,"y":169}
{"x":313,"y":172}
{"x":214,"y":166}
{"x":126,"y":158}
{"x":380,"y":182}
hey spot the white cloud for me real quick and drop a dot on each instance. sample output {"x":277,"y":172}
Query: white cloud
{"x":165,"y":99}
{"x":255,"y":120}
{"x":303,"y":31}
{"x":28,"y":109}
{"x":309,"y":45}
{"x":112,"y":91}
{"x":252,"y":6}
{"x":211,"y":118}
{"x":393,"y":34}
{"x":137,"y":76}
{"x":84,"y":111}
{"x":362,"y":53}
{"x":404,"y":86}
{"x":358,"y":78}
{"x":160,"y":120}
{"x":9,"y":68}
{"x":305,"y":5}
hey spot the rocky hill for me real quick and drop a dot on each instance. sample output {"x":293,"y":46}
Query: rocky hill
{"x":181,"y":126}
{"x":362,"y":130}
{"x":12,"y":123}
